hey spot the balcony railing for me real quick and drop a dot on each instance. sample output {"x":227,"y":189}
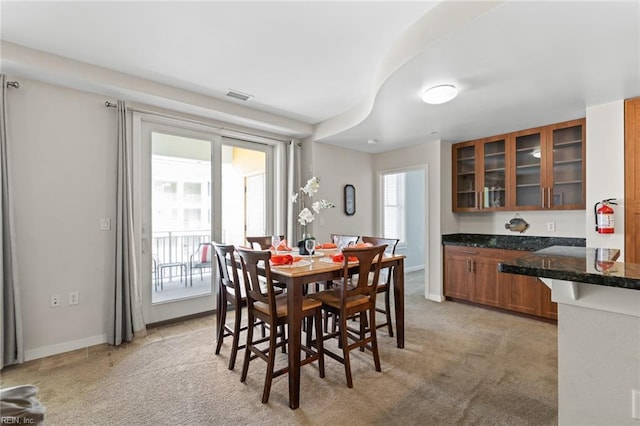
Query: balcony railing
{"x":177,"y":246}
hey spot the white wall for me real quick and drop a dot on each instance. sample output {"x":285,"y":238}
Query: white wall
{"x":337,"y":167}
{"x":62,"y":156}
{"x":598,"y":365}
{"x":605,"y":170}
{"x":436,"y":206}
{"x":569,"y":223}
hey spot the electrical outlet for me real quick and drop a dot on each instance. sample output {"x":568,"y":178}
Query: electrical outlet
{"x":551,"y":226}
{"x":635,"y":404}
{"x":74,"y":298}
{"x":54,"y":302}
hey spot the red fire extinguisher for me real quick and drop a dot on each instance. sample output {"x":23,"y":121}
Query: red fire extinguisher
{"x":604,"y":216}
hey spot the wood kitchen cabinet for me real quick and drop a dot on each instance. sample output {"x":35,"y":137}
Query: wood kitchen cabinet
{"x":471,"y":274}
{"x":536,"y":169}
{"x":522,"y":293}
{"x":549,"y":167}
{"x":480,"y":175}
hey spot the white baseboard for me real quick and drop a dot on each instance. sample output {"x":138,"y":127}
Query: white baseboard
{"x":435,"y":297}
{"x":73,"y":345}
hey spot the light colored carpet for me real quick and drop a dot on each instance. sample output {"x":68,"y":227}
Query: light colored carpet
{"x":461,"y":365}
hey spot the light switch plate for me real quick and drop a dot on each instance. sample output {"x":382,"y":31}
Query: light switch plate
{"x":105,"y":224}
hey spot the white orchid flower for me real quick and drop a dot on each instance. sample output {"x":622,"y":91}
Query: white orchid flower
{"x":305,"y":216}
{"x":312,"y":186}
{"x":321,"y":204}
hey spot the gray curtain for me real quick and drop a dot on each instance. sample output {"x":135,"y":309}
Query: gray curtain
{"x":126,"y":313}
{"x":293,"y":184}
{"x":12,"y":345}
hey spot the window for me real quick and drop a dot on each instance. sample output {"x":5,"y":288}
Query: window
{"x":394,"y":215}
{"x":192,"y":192}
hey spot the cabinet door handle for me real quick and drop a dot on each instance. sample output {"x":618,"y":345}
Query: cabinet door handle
{"x":473,"y":266}
{"x":549,"y":190}
{"x":542,"y":196}
{"x":470,"y":252}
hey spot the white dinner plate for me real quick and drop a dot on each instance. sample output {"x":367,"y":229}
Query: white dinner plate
{"x":327,"y":250}
{"x":297,"y":264}
{"x":330,"y":261}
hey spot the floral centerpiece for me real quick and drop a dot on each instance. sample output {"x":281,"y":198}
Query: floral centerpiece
{"x":306,"y":215}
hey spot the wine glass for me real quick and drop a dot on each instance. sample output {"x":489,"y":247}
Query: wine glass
{"x":275,"y":242}
{"x":310,"y":245}
{"x":338,"y":242}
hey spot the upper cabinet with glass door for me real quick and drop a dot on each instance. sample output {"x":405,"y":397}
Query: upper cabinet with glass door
{"x":550,"y":167}
{"x":567,"y":166}
{"x":535,"y":169}
{"x":529,"y":182}
{"x":480,"y":175}
{"x":465,"y":195}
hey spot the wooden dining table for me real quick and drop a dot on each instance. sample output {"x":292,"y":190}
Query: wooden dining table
{"x":295,"y":279}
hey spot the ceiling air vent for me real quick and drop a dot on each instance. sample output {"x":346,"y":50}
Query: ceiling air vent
{"x":238,"y":95}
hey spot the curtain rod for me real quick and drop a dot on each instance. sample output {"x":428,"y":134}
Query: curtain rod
{"x":14,"y":84}
{"x":203,"y":123}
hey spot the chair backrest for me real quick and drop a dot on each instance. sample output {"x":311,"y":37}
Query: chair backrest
{"x":392,"y":243}
{"x":369,"y":261}
{"x":376,"y":241}
{"x":203,"y":255}
{"x":343,"y":240}
{"x":249,"y":260}
{"x":227,"y":268}
{"x":262,"y":242}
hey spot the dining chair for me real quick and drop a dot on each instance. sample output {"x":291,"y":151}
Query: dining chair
{"x":344,"y":240}
{"x":345,"y":301}
{"x":386,"y":274}
{"x":262,"y":242}
{"x":273,"y":311}
{"x":231,"y":290}
{"x":201,"y":259}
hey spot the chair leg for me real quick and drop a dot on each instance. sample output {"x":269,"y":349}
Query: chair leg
{"x":374,"y":338}
{"x":363,"y":327}
{"x":319,"y":341}
{"x":222,"y":321}
{"x":387,"y":307}
{"x":236,"y":337}
{"x":345,"y":350}
{"x":248,"y":349}
{"x":271,"y":360}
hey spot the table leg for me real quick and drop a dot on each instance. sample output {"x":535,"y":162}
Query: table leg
{"x":398,"y":299}
{"x":294,"y":307}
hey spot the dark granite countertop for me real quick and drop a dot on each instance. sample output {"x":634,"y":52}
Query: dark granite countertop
{"x":578,"y":264}
{"x":510,"y":242}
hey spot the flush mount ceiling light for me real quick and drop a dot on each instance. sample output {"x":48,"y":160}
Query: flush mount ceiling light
{"x":372,"y":141}
{"x":439,"y":94}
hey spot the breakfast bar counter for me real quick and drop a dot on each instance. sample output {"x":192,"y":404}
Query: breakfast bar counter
{"x":598,"y":330}
{"x":576,"y":264}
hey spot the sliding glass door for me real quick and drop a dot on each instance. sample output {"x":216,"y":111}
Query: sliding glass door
{"x":195,"y":187}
